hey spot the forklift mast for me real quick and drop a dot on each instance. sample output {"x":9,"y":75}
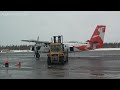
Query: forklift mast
{"x":57,"y":39}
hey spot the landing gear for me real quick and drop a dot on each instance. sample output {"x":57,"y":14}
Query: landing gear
{"x":37,"y":55}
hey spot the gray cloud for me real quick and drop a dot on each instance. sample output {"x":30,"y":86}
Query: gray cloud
{"x":73,"y":25}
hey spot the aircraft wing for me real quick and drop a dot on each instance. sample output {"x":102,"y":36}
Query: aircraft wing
{"x":35,"y":41}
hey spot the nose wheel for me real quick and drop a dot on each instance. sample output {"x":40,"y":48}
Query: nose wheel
{"x":37,"y":55}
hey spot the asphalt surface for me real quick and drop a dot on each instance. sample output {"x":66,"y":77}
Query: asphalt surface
{"x":81,"y":65}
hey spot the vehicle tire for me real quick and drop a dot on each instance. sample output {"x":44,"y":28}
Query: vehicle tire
{"x":48,"y":61}
{"x":62,"y":61}
{"x":67,"y":58}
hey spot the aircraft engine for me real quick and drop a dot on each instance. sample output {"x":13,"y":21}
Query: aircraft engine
{"x":38,"y":47}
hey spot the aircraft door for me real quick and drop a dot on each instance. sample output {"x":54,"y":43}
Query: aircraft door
{"x":32,"y":48}
{"x":71,"y":49}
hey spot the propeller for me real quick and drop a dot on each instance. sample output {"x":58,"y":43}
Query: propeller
{"x":37,"y":46}
{"x":37,"y":40}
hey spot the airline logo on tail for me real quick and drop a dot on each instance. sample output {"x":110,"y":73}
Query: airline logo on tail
{"x":96,"y":40}
{"x":99,"y":32}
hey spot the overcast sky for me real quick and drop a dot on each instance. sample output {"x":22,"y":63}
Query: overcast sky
{"x":73,"y":25}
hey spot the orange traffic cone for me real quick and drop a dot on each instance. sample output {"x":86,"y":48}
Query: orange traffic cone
{"x":6,"y":62}
{"x":18,"y":64}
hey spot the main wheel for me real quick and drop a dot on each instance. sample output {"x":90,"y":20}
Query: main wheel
{"x":62,"y":61}
{"x":67,"y":59}
{"x":37,"y":55}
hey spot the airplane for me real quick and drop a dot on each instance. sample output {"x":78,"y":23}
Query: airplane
{"x":95,"y":42}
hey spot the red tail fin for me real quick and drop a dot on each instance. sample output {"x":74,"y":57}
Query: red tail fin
{"x":97,"y":38}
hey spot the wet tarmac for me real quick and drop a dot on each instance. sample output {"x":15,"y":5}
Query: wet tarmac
{"x":81,"y":65}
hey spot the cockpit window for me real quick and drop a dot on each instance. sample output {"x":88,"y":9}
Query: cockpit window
{"x":56,"y":48}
